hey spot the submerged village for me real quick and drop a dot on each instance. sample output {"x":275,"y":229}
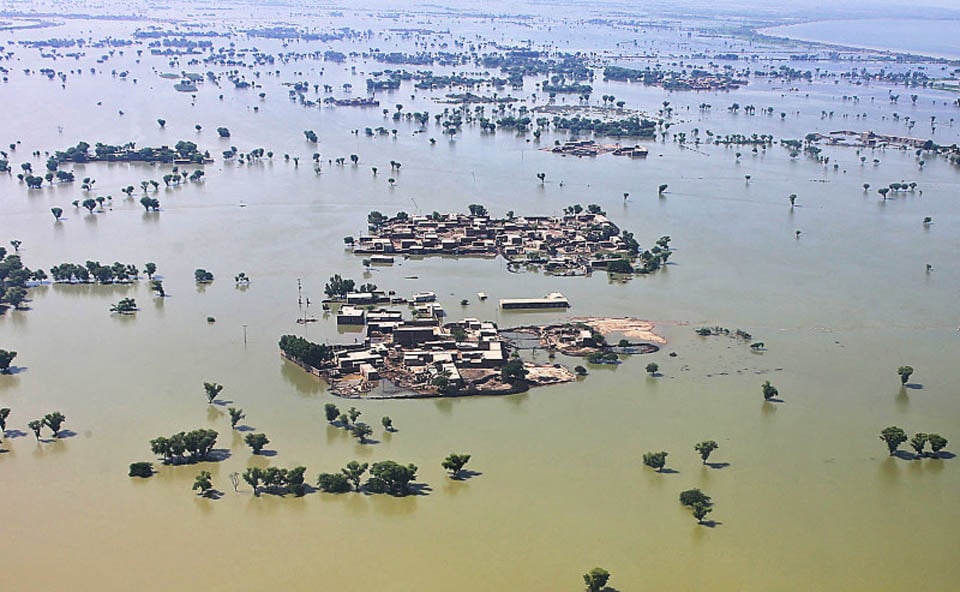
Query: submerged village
{"x":633,"y":255}
{"x":419,"y":355}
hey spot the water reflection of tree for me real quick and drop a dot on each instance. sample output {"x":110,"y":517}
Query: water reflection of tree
{"x":302,"y":382}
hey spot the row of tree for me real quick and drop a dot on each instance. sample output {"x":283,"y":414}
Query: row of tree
{"x":185,"y":447}
{"x":94,"y":271}
{"x":312,"y":354}
{"x":386,"y":476}
{"x":275,"y":480}
{"x":894,"y":436}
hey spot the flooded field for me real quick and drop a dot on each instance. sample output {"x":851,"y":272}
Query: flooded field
{"x":805,"y":494}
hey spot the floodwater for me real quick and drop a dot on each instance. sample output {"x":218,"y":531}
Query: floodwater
{"x":928,"y":37}
{"x":809,"y":499}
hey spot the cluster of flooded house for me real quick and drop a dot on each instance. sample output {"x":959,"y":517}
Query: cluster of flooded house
{"x":592,"y":148}
{"x":870,"y":140}
{"x":572,"y":244}
{"x":353,"y":102}
{"x":414,"y":352}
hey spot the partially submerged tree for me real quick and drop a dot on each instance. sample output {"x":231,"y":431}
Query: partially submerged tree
{"x":655,"y":460}
{"x":333,"y":483}
{"x":35,"y":425}
{"x":694,"y":496}
{"x":6,"y":358}
{"x":353,"y":413}
{"x":387,"y":423}
{"x":455,"y":463}
{"x":256,"y":442}
{"x":141,"y":469}
{"x":937,"y":442}
{"x":905,"y":372}
{"x":918,"y":442}
{"x":361,"y":431}
{"x":331,"y":412}
{"x":125,"y":306}
{"x":212,"y":390}
{"x":596,"y":579}
{"x":235,"y":416}
{"x":391,"y":477}
{"x":700,"y":512}
{"x":354,"y":473}
{"x":54,"y":421}
{"x":202,"y":276}
{"x":894,"y":437}
{"x":203,"y":483}
{"x":705,"y":448}
{"x":769,"y":391}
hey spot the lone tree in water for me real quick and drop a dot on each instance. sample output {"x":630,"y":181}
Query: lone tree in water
{"x":331,"y":411}
{"x":894,"y":437}
{"x":6,"y":358}
{"x":905,"y":372}
{"x":705,"y":448}
{"x":596,"y":579}
{"x":655,"y":460}
{"x":387,"y":423}
{"x":694,"y":496}
{"x":54,"y":421}
{"x":455,"y":463}
{"x":4,"y":414}
{"x":140,"y":469}
{"x":769,"y":391}
{"x":235,"y":416}
{"x":212,"y":389}
{"x":361,"y":431}
{"x":35,"y":425}
{"x":256,"y":442}
{"x":57,"y":212}
{"x":652,"y":368}
{"x":202,"y":483}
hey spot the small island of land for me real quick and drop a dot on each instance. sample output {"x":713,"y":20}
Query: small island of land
{"x":573,"y":244}
{"x":421,"y":358}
